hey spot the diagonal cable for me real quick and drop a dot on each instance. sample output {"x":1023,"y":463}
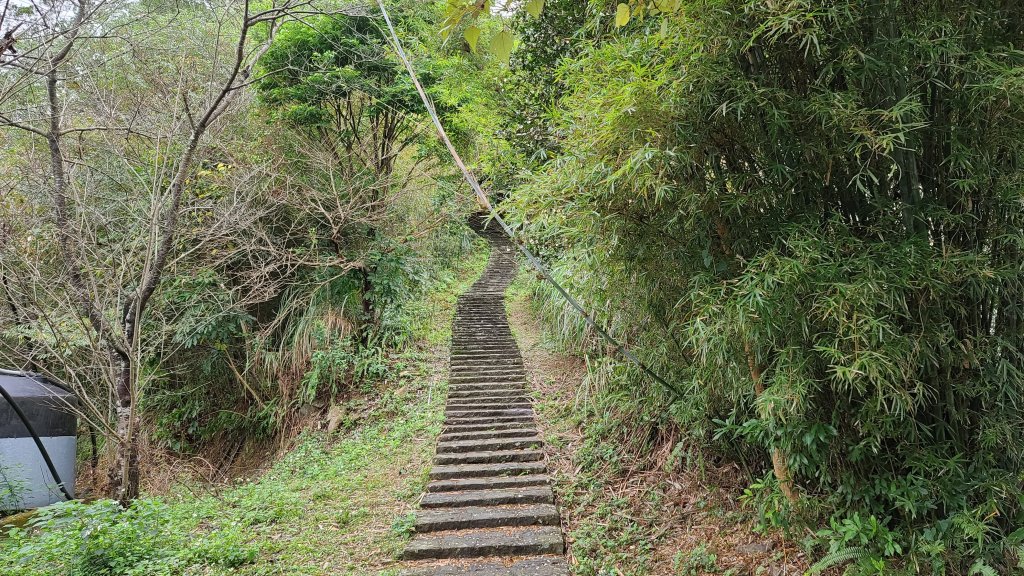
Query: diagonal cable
{"x":475,"y":185}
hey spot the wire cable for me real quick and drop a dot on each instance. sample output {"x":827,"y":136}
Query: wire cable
{"x":484,"y":201}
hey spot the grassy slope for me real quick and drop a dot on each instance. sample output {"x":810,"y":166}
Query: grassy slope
{"x":333,"y":505}
{"x":665,"y":518}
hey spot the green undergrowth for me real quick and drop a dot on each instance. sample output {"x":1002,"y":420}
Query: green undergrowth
{"x":335,"y":504}
{"x":328,"y":507}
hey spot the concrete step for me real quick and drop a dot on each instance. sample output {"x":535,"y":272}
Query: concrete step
{"x":519,"y":401}
{"x":544,"y":566}
{"x":484,"y":378}
{"x":522,"y":432}
{"x":489,"y":457}
{"x":484,"y":369}
{"x":463,"y":405}
{"x":482,"y":384}
{"x":487,"y":421}
{"x":478,"y":394}
{"x":456,"y":427}
{"x":460,"y":471}
{"x":496,"y":497}
{"x":489,"y":445}
{"x":489,"y":412}
{"x":488,"y":483}
{"x":476,"y":543}
{"x":486,"y":517}
{"x":489,"y":358}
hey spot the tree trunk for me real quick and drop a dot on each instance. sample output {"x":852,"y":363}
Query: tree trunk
{"x":124,"y":475}
{"x":367,"y":325}
{"x":779,"y":464}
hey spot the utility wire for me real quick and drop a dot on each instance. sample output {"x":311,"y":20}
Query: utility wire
{"x":475,"y":185}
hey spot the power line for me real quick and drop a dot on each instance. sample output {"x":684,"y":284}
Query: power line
{"x":475,"y":185}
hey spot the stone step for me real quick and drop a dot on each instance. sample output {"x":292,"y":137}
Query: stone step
{"x":453,"y":471}
{"x":489,"y":445}
{"x":464,"y":405}
{"x":489,"y":457}
{"x":455,"y":427}
{"x":479,"y":386}
{"x":456,"y":421}
{"x":475,"y":543}
{"x":482,"y":349}
{"x":487,"y":378}
{"x":545,"y":566}
{"x":484,"y":401}
{"x":438,"y":519}
{"x":488,"y":483}
{"x":488,"y":396}
{"x":487,"y":369}
{"x":490,"y":412}
{"x":490,"y":358}
{"x":521,"y":432}
{"x":496,"y":497}
{"x":481,"y":394}
{"x":510,"y":364}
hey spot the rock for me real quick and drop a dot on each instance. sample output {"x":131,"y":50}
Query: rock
{"x":755,"y":548}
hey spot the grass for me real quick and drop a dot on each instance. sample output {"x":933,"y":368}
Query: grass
{"x":336,"y":504}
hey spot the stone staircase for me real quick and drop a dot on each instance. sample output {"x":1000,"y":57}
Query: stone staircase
{"x":489,"y":509}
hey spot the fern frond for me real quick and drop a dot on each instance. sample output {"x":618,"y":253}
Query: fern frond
{"x":836,"y":558}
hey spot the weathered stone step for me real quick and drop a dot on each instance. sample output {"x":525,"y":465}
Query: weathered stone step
{"x":489,"y":457}
{"x":475,"y":543}
{"x":478,"y":349}
{"x":452,"y":427}
{"x":490,"y":397}
{"x":487,"y":368}
{"x":496,"y":497}
{"x":550,"y":566}
{"x":459,"y":409}
{"x":455,"y":421}
{"x":489,"y":445}
{"x":435,"y":520}
{"x":492,"y":393}
{"x":494,"y":376}
{"x":496,"y":412}
{"x":487,"y":388}
{"x":521,"y":432}
{"x":488,"y":483}
{"x":483,"y":378}
{"x":504,"y":364}
{"x":471,"y":404}
{"x":486,"y":356}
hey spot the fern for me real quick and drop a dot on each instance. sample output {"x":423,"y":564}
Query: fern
{"x":980,"y":568}
{"x":836,"y":558}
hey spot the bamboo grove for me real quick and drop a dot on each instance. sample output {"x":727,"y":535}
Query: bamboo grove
{"x":809,"y":214}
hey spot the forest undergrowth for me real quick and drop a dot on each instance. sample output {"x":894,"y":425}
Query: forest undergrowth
{"x":336,"y":502}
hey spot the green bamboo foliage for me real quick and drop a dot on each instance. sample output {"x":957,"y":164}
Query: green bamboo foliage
{"x":810,"y":214}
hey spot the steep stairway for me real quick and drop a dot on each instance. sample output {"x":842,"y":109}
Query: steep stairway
{"x":489,"y":509}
